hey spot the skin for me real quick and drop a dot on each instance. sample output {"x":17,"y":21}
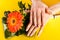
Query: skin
{"x":39,"y":15}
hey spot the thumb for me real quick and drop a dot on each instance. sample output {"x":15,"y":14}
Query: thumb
{"x":48,"y":11}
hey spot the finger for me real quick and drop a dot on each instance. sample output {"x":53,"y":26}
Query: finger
{"x":35,"y":17}
{"x":40,"y":31}
{"x":42,"y":18}
{"x":31,"y":29}
{"x":33,"y":32}
{"x":29,"y":25}
{"x":48,"y":11}
{"x":45,"y":18}
{"x":39,"y":17}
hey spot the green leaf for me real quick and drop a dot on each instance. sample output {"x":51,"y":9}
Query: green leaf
{"x":21,"y":5}
{"x":18,"y":33}
{"x":21,"y":11}
{"x":29,"y":6}
{"x":6,"y":13}
{"x":24,"y":6}
{"x":7,"y":33}
{"x":4,"y":19}
{"x":24,"y":13}
{"x":21,"y":31}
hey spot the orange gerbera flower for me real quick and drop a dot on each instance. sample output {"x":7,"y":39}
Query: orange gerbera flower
{"x":14,"y":21}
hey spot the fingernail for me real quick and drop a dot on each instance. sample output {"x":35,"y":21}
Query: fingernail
{"x":26,"y":30}
{"x":30,"y":35}
{"x":27,"y":34}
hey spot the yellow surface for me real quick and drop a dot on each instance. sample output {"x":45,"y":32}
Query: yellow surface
{"x":50,"y":32}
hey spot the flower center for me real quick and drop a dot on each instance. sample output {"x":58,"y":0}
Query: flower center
{"x":13,"y":21}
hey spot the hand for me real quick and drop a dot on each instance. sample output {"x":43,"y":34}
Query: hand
{"x":39,"y":15}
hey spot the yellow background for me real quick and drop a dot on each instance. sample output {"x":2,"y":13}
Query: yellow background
{"x":50,"y":32}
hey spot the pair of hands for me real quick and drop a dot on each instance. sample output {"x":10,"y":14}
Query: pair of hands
{"x":39,"y":15}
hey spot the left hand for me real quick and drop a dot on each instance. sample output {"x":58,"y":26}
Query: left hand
{"x":38,"y":17}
